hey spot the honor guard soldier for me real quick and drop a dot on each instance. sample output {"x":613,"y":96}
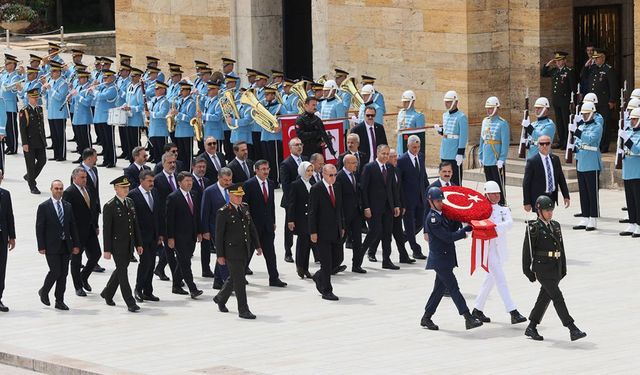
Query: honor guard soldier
{"x":121,"y":234}
{"x":158,"y":109}
{"x":236,"y":236}
{"x":105,"y":95}
{"x":494,"y":145}
{"x":56,"y":90}
{"x":442,"y":258}
{"x":588,"y":163}
{"x":331,"y":107}
{"x":563,"y":83}
{"x":153,"y":63}
{"x":184,"y":112}
{"x":454,"y":132}
{"x":631,"y":173}
{"x":368,"y":94}
{"x":134,"y":105}
{"x":542,"y":126}
{"x":601,"y":80}
{"x":33,"y":138}
{"x":378,"y":98}
{"x":9,"y":82}
{"x":408,"y":117}
{"x":543,"y":259}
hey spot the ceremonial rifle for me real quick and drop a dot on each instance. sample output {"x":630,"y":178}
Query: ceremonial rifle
{"x":620,"y":143}
{"x":568,"y":153}
{"x":522,"y":149}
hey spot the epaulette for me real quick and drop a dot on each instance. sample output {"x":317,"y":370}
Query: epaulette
{"x":112,"y":200}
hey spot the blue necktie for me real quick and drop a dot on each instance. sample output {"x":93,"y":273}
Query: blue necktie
{"x":549,"y":176}
{"x":60,"y":213}
{"x":226,"y":195}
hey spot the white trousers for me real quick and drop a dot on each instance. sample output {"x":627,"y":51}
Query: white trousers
{"x":495,"y":276}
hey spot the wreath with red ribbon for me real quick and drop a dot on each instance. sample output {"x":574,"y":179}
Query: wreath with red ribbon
{"x":464,"y":204}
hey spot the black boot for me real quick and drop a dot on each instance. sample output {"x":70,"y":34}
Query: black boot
{"x":428,"y":323}
{"x":575,"y":332}
{"x":480,"y":316}
{"x":532,"y":332}
{"x":470,"y":322}
{"x":516,"y":317}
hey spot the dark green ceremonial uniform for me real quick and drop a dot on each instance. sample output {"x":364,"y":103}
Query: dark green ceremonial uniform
{"x":32,"y":134}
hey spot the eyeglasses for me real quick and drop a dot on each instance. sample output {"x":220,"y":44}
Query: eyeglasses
{"x":212,"y":143}
{"x":371,"y":116}
{"x":332,"y":175}
{"x":544,"y":143}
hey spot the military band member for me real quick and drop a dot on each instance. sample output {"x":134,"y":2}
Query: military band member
{"x":408,"y":117}
{"x":494,"y":145}
{"x":203,"y":75}
{"x":589,"y":163}
{"x":33,"y":139}
{"x":231,"y":82}
{"x":7,"y":236}
{"x":227,"y":69}
{"x":32,"y":82}
{"x":318,"y":91}
{"x":271,"y":142}
{"x":454,"y":132}
{"x":343,"y":95}
{"x":81,"y":100}
{"x":251,"y":78}
{"x":378,"y":98}
{"x":76,"y":64}
{"x":174,"y":83}
{"x":368,"y":94}
{"x":56,"y":89}
{"x":542,"y":126}
{"x":212,"y":115}
{"x":158,"y":109}
{"x":150,"y":81}
{"x":544,"y":259}
{"x":53,"y":55}
{"x":123,"y":80}
{"x":563,"y":83}
{"x":152,"y":62}
{"x":184,"y":112}
{"x":290,"y":100}
{"x":631,"y":173}
{"x":105,"y":95}
{"x":121,"y":234}
{"x":277,"y":79}
{"x":96,"y":73}
{"x":134,"y":105}
{"x":106,"y":64}
{"x":8,"y":81}
{"x":236,"y":237}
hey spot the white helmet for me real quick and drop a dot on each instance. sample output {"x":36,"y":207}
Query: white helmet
{"x":367,"y":90}
{"x":591,"y":97}
{"x":635,"y":93}
{"x":408,"y":96}
{"x":491,"y":187}
{"x":542,"y":102}
{"x":588,"y":107}
{"x":451,"y":96}
{"x":635,"y":113}
{"x":330,"y":85}
{"x":492,"y":102}
{"x":633,"y":103}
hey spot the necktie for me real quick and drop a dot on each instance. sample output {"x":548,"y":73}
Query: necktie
{"x":92,"y":175}
{"x":384,"y":173}
{"x":416,"y":164}
{"x":226,"y":195}
{"x":216,"y":164}
{"x":60,"y":213}
{"x":171,"y":183}
{"x":447,"y":184}
{"x":246,"y":169}
{"x":190,"y":203}
{"x":357,"y":154}
{"x":265,"y":194}
{"x":150,"y":200}
{"x":549,"y":175}
{"x":201,"y":183}
{"x":298,"y":161}
{"x":374,"y":146}
{"x":353,"y":181}
{"x":86,"y":197}
{"x":333,"y":197}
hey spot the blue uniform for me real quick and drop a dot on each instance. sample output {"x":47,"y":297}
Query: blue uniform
{"x":105,"y":97}
{"x":544,"y":126}
{"x":160,"y":76}
{"x":345,"y":97}
{"x":174,"y":90}
{"x":123,"y":85}
{"x":47,"y":68}
{"x":9,"y":90}
{"x":3,"y":119}
{"x":158,"y":110}
{"x":333,"y":108}
{"x":29,"y":85}
{"x":587,"y":144}
{"x":243,"y":132}
{"x":213,"y":119}
{"x":56,"y":96}
{"x":265,"y":136}
{"x":133,"y":98}
{"x":494,"y":141}
{"x":407,"y":119}
{"x":378,"y":98}
{"x":455,"y":131}
{"x":81,"y":104}
{"x":379,"y":112}
{"x":631,"y":161}
{"x":150,"y":89}
{"x":186,"y":111}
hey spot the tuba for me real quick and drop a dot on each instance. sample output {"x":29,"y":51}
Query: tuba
{"x":196,"y":122}
{"x":259,"y":113}
{"x":227,"y":104}
{"x":349,"y":85}
{"x":300,"y":91}
{"x":171,"y":121}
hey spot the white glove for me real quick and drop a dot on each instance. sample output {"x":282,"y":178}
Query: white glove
{"x":626,"y":116}
{"x":578,"y":118}
{"x":620,"y":151}
{"x":623,"y":134}
{"x":573,"y":127}
{"x":438,"y":128}
{"x":500,"y":164}
{"x":570,"y":146}
{"x":459,"y":159}
{"x":480,"y":162}
{"x":526,"y":122}
{"x":352,"y":121}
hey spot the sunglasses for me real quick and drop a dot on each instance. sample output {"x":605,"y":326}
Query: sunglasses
{"x":370,"y":116}
{"x":332,"y":175}
{"x":544,"y":143}
{"x":212,"y":143}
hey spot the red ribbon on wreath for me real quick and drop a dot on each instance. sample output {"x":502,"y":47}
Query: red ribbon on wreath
{"x":483,"y":232}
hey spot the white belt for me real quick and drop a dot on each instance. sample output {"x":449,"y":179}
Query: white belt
{"x":629,"y":153}
{"x":588,"y":148}
{"x":451,"y":136}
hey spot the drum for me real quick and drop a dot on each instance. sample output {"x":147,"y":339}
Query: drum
{"x":117,"y":117}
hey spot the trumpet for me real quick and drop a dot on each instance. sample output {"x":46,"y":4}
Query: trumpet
{"x":14,"y":84}
{"x":196,"y":122}
{"x":349,"y":85}
{"x":259,"y":113}
{"x":228,"y":105}
{"x":301,"y":92}
{"x":171,"y":121}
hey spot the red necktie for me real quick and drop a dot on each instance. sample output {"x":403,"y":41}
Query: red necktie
{"x":333,"y":197}
{"x":265,"y":194}
{"x":190,"y":203}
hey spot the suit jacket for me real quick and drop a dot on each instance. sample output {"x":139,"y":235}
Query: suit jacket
{"x":361,"y":131}
{"x":94,"y":187}
{"x":163,"y":189}
{"x":534,"y":183}
{"x":378,"y":195}
{"x":212,"y":172}
{"x":263,"y":213}
{"x":120,"y":230}
{"x":197,"y":189}
{"x":238,"y":173}
{"x":288,"y":174}
{"x":362,"y":156}
{"x":325,"y":219}
{"x":49,"y":231}
{"x":181,"y":224}
{"x":133,"y":175}
{"x":212,"y":201}
{"x":86,"y":216}
{"x":180,"y":166}
{"x":298,"y":207}
{"x":414,"y":183}
{"x":7,"y":222}
{"x":147,"y":221}
{"x":233,"y":240}
{"x":351,"y":197}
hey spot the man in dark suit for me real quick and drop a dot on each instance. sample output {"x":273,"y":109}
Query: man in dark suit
{"x":120,"y":235}
{"x":397,"y":232}
{"x":145,"y":200}
{"x":214,"y":198}
{"x":413,"y":190}
{"x":352,"y":209}
{"x":381,"y":204}
{"x":317,"y":160}
{"x":85,"y":212}
{"x":371,"y":134}
{"x":164,"y":183}
{"x":353,"y":145}
{"x":241,"y":165}
{"x":288,"y":174}
{"x":89,"y":161}
{"x":180,"y":166}
{"x":57,"y":236}
{"x":200,"y":183}
{"x":132,"y":172}
{"x":543,"y":175}
{"x":183,"y":230}
{"x":7,"y":235}
{"x":215,"y":159}
{"x":326,"y":227}
{"x":259,"y":195}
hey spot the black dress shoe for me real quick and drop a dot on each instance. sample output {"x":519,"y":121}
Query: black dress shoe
{"x":625,"y":209}
{"x":300,"y":272}
{"x":307,"y":274}
{"x":470,"y":322}
{"x":533,"y":333}
{"x":516,"y":317}
{"x":3,"y":308}
{"x":480,"y":316}
{"x":207,"y":274}
{"x":576,"y":334}
{"x":339,"y":269}
{"x":330,"y":296}
{"x":217,"y":285}
{"x":110,"y":166}
{"x":372,"y":258}
{"x":579,"y":227}
{"x":389,"y":266}
{"x":358,"y":270}
{"x":277,"y":283}
{"x":623,"y":221}
{"x":97,"y":268}
{"x":80,"y":293}
{"x":579,"y":214}
{"x":86,"y":286}
{"x":407,"y":261}
{"x":635,"y":235}
{"x":248,"y":271}
{"x":221,"y":306}
{"x":161,"y":275}
{"x":196,"y":293}
{"x":428,"y":323}
{"x":625,"y":233}
{"x":179,"y":290}
{"x":138,"y":296}
{"x":52,"y":159}
{"x":61,"y":306}
{"x":108,"y":301}
{"x":133,"y":308}
{"x":288,"y":258}
{"x":246,"y":315}
{"x":44,"y":298}
{"x":150,"y":297}
{"x":34,"y":190}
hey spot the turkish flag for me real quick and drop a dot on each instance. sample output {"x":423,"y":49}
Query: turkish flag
{"x":334,"y":128}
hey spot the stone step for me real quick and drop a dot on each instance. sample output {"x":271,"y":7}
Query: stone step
{"x":513,"y":178}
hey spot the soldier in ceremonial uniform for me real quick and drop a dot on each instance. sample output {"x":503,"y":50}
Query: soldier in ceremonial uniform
{"x":212,"y":114}
{"x":563,"y":83}
{"x":408,"y":117}
{"x":33,"y":138}
{"x":494,"y":145}
{"x":152,"y":62}
{"x":543,"y":259}
{"x":56,"y":89}
{"x":343,"y":95}
{"x":368,"y":94}
{"x":121,"y":234}
{"x":9,"y":91}
{"x":236,"y":236}
{"x":227,"y":68}
{"x":378,"y":98}
{"x":631,"y":173}
{"x":542,"y":126}
{"x":454,"y":132}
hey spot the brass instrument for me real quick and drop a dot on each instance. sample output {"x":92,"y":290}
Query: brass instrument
{"x":196,"y":122}
{"x":13,"y":85}
{"x":300,"y":91}
{"x":279,"y":98}
{"x":259,"y":113}
{"x":349,"y":85}
{"x":171,"y":121}
{"x":322,"y":79}
{"x":227,"y":103}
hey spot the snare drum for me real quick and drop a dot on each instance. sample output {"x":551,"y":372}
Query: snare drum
{"x":117,"y":117}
